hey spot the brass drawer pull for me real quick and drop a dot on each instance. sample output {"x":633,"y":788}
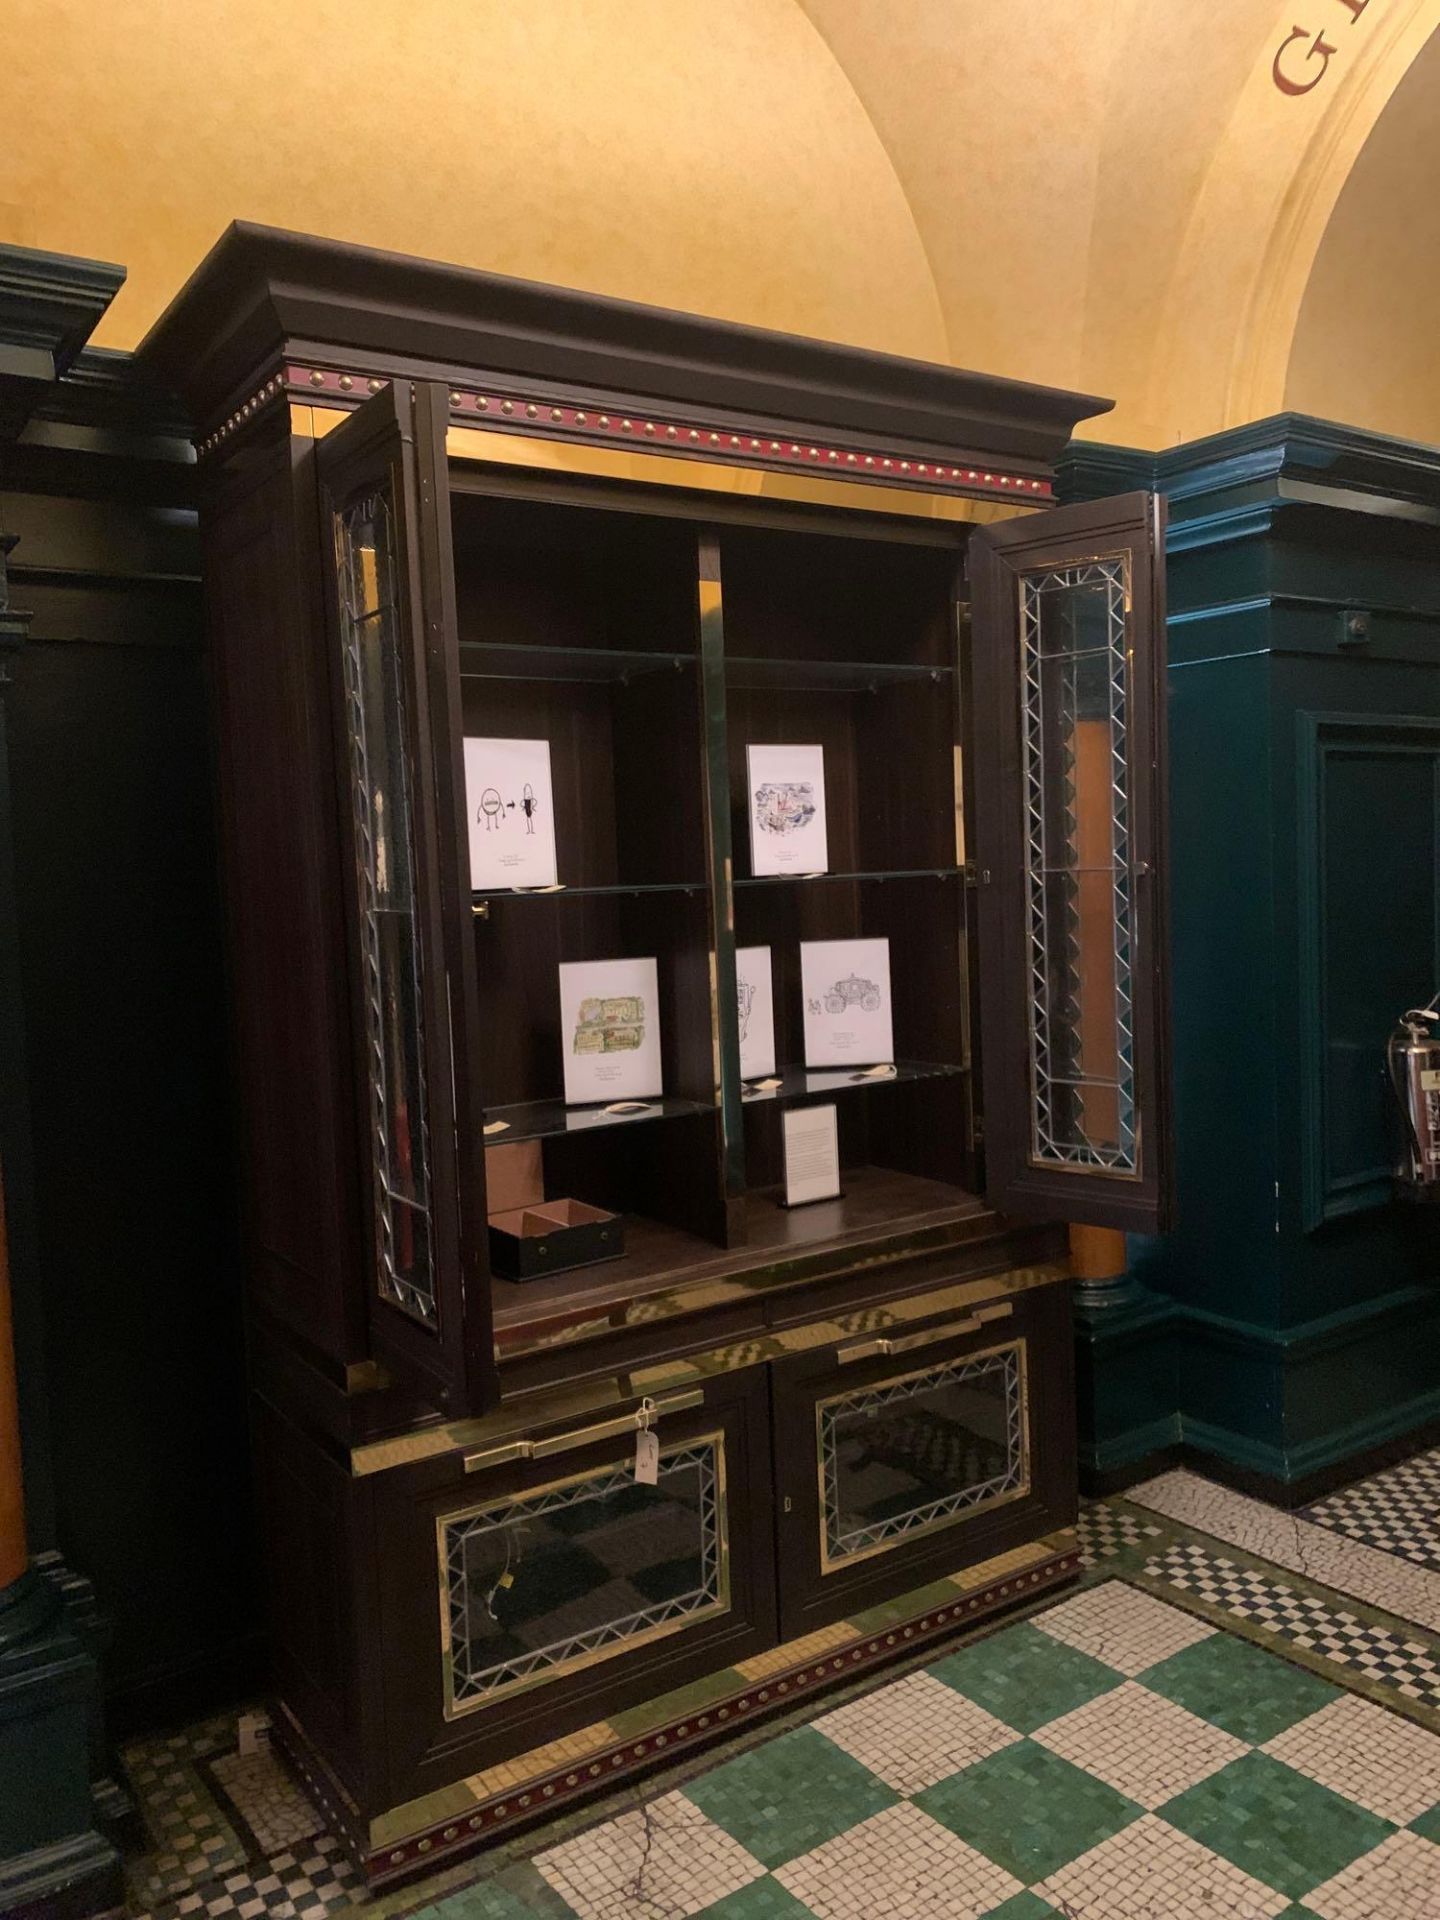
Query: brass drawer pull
{"x":643,"y":1416}
{"x":886,"y":1344}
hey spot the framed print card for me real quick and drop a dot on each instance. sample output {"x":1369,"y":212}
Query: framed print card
{"x":610,"y":1030}
{"x":846,"y":988}
{"x":786,"y":798}
{"x":756,"y":992}
{"x":510,"y":804}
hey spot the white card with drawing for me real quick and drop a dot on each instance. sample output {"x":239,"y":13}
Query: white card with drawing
{"x":846,"y":988}
{"x":755,"y":989}
{"x":786,"y":799}
{"x":610,"y":1030}
{"x":510,"y":804}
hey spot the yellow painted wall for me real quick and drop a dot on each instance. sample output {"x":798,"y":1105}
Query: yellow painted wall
{"x":1367,"y":346}
{"x":1108,"y":194}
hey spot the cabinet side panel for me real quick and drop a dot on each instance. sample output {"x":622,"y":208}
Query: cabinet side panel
{"x":283,"y":903}
{"x":319,"y":1587}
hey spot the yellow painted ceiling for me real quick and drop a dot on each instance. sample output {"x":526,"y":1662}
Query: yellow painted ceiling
{"x":1110,"y":194}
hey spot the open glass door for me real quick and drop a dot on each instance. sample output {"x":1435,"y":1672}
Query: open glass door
{"x":387,"y":561}
{"x":1069,"y":790}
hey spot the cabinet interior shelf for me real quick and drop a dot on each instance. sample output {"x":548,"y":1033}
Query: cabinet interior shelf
{"x":830,"y":676}
{"x":487,"y":660}
{"x":484,"y":900}
{"x":876,"y":874}
{"x":537,"y":1119}
{"x":817,"y":1083}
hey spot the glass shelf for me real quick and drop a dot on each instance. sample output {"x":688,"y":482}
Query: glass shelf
{"x":831,"y":676}
{"x":484,"y":660}
{"x":810,"y":1083}
{"x":876,"y":874}
{"x":534,"y":1119}
{"x":588,"y":893}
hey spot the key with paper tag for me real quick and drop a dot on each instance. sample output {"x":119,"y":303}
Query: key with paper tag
{"x":647,"y":1448}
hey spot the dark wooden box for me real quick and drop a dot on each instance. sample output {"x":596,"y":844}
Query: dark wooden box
{"x":552,"y":1235}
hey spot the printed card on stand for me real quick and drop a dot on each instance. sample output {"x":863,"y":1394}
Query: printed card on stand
{"x":756,"y":993}
{"x":846,"y":987}
{"x":786,"y":799}
{"x":610,"y":1030}
{"x":511,"y":809}
{"x":812,"y":1155}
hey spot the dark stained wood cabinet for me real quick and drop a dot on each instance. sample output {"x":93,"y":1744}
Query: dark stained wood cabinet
{"x":439,"y":505}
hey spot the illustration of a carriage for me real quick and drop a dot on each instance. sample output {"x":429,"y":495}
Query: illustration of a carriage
{"x":852,"y":991}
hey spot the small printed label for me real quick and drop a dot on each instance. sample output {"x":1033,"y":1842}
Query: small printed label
{"x":1430,"y":1080}
{"x":647,"y":1458}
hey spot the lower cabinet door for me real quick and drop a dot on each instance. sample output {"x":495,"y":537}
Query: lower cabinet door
{"x":528,"y":1598}
{"x":919,"y":1451}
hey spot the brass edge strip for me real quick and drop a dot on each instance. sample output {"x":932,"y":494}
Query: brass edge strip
{"x":639,"y":465}
{"x":529,"y":1412}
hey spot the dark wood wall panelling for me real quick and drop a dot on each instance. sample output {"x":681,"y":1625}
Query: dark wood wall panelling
{"x":136,"y":1348}
{"x":1291,"y":1323}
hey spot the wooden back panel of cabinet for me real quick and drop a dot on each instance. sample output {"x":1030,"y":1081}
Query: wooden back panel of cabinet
{"x":288,"y":980}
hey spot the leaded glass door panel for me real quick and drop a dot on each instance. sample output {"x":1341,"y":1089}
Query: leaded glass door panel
{"x":534,"y":1590}
{"x":908,"y":1452}
{"x":385,"y":558}
{"x":1068,"y":679}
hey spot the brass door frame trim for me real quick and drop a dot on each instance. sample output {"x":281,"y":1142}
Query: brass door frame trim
{"x":829,"y":1563}
{"x":580,"y":1662}
{"x":642,"y":466}
{"x":527,"y":1413}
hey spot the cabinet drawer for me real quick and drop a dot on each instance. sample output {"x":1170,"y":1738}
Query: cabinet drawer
{"x":910,"y":1454}
{"x":536,"y":1595}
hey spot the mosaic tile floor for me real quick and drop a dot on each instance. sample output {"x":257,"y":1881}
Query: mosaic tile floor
{"x":1236,"y":1716}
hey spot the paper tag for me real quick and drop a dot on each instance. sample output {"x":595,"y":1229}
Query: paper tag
{"x":253,"y":1731}
{"x":647,"y":1458}
{"x":497,"y":1126}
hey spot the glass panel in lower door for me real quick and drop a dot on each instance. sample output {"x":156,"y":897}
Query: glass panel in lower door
{"x":561,"y":1576}
{"x":905,"y":1457}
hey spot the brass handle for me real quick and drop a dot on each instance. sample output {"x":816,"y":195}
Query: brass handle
{"x":884,"y":1345}
{"x":632,"y":1422}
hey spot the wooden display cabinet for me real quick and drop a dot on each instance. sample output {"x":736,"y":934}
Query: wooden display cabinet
{"x":438,"y":505}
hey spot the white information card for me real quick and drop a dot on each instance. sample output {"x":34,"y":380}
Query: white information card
{"x":812,"y":1155}
{"x":787,"y":809}
{"x":610,"y":1030}
{"x":510,"y":803}
{"x":846,"y":986}
{"x":755,"y":987}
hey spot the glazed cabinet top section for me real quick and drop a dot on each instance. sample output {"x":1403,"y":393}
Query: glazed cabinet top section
{"x":447,"y":511}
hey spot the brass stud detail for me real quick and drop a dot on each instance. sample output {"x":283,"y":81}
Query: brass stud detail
{"x":580,"y":419}
{"x":869,"y":460}
{"x":556,"y":413}
{"x":604,"y":420}
{"x":625,"y":426}
{"x":649,"y":426}
{"x":849,"y":459}
{"x":734,"y":439}
{"x":450,"y":1833}
{"x":532,"y":413}
{"x":474,"y":1822}
{"x":317,"y":379}
{"x":346,"y":383}
{"x":482,"y":404}
{"x":376,"y":385}
{"x":456,"y":399}
{"x":832,"y":455}
{"x":693,"y":434}
{"x":672,"y":433}
{"x":507,"y":406}
{"x":774,"y":446}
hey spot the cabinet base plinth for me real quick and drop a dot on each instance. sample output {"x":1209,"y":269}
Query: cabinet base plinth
{"x":425,"y":1835}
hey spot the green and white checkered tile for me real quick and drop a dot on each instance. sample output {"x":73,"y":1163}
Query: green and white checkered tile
{"x":1111,"y":1758}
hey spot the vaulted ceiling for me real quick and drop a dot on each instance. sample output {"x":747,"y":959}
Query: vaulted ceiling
{"x":1107,"y":194}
